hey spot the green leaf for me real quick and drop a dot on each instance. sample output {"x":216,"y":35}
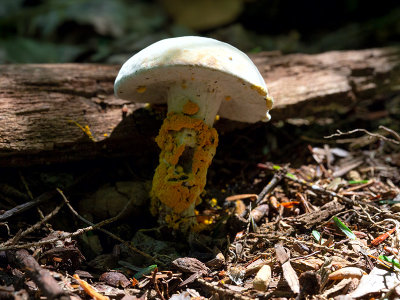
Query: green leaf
{"x":344,"y":228}
{"x":144,"y":271}
{"x":393,"y":261}
{"x":277,"y":168}
{"x":316,"y":235}
{"x":388,"y":202}
{"x":358,"y":181}
{"x":291,"y":175}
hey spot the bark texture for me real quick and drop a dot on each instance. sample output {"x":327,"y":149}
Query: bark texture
{"x":44,"y":109}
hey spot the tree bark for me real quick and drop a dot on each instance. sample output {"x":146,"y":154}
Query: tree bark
{"x":44,"y":108}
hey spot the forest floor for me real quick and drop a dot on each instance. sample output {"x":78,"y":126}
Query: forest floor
{"x":288,"y":212}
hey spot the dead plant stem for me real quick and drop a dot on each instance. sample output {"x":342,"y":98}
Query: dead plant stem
{"x":66,"y":201}
{"x":379,"y":136}
{"x":71,"y":234}
{"x":18,"y":236}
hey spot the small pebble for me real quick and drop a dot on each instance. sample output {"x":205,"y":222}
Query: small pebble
{"x":263,"y":278}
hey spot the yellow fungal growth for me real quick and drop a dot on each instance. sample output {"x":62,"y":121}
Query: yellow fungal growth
{"x":85,"y":129}
{"x":141,"y":89}
{"x":269,"y":102}
{"x":190,"y":108}
{"x":181,"y":174}
{"x":228,"y":98}
{"x":259,"y":89}
{"x":213,"y":202}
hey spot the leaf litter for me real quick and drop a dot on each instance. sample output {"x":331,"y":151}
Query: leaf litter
{"x":325,"y":228}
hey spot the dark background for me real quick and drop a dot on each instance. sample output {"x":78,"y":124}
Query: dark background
{"x":110,"y":31}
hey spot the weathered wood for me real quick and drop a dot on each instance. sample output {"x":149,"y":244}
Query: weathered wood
{"x":42,"y":106}
{"x":42,"y":277}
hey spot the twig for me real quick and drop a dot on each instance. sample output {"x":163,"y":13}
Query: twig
{"x":391,"y":131}
{"x":154,"y":280}
{"x":345,"y":199}
{"x":76,"y":233}
{"x":6,"y":226}
{"x":33,"y":228}
{"x":269,"y":187}
{"x":25,"y":206}
{"x":366,"y":215}
{"x":305,"y":256}
{"x":46,"y":283}
{"x":45,"y":196}
{"x":311,"y":244}
{"x":28,"y":190}
{"x":379,"y":136}
{"x":66,"y":201}
{"x":317,"y":188}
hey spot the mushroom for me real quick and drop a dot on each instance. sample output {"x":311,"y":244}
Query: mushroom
{"x":198,"y":77}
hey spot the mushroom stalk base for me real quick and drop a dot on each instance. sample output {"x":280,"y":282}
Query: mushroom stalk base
{"x":188,"y":146}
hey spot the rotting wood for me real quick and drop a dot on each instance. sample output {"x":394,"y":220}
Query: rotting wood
{"x":46,"y":283}
{"x":42,"y":106}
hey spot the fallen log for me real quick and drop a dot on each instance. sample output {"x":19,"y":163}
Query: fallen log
{"x":67,"y":112}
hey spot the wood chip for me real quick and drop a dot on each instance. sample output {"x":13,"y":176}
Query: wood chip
{"x":288,"y":271}
{"x":263,"y":278}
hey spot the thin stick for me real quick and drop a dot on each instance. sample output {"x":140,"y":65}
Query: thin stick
{"x":25,"y":206}
{"x":379,"y":136}
{"x":391,"y":131}
{"x":347,"y":200}
{"x":305,"y":256}
{"x":66,"y":201}
{"x":47,"y":196}
{"x":17,"y":237}
{"x":28,"y":190}
{"x":154,"y":279}
{"x":72,"y":234}
{"x":269,"y":187}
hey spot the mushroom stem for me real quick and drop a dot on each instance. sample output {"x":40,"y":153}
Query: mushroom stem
{"x":188,"y":144}
{"x":206,"y":96}
{"x":196,"y":75}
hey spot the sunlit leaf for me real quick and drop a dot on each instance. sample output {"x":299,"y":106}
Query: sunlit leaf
{"x":358,"y":181}
{"x":393,"y":261}
{"x":316,"y":235}
{"x":344,"y":228}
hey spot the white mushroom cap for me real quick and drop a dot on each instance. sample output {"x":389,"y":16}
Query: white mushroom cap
{"x":208,"y":65}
